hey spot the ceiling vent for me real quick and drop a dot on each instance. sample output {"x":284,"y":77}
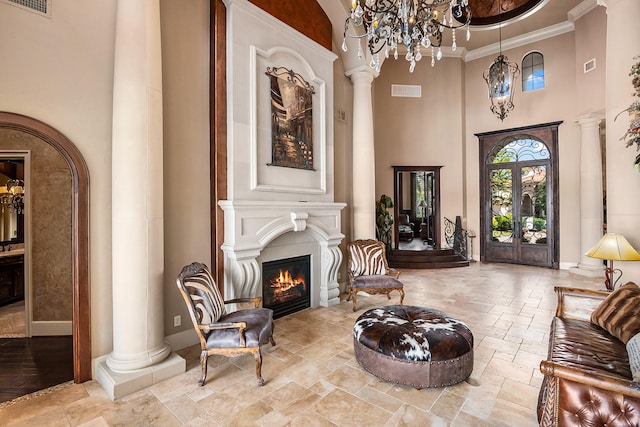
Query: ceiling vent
{"x":406,"y":91}
{"x":41,"y":7}
{"x":590,"y":65}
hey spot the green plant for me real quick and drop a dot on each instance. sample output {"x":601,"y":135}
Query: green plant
{"x":384,"y":220}
{"x":502,"y":222}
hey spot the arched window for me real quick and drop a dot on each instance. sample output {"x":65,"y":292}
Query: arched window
{"x":532,"y":71}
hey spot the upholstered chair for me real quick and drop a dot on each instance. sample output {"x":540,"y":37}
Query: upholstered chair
{"x":405,"y":227}
{"x":369,"y":272}
{"x":226,"y":334}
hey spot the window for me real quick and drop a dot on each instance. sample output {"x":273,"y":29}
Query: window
{"x":532,"y":71}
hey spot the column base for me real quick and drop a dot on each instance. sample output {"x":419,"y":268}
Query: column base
{"x":587,"y":270}
{"x":119,"y":384}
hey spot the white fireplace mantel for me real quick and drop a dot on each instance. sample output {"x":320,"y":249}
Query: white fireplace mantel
{"x":249,"y":226}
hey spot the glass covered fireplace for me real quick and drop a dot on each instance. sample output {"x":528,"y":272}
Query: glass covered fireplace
{"x":286,"y":285}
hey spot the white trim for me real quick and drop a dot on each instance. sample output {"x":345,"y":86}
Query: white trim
{"x":43,"y":328}
{"x":582,"y":9}
{"x":182,"y":339}
{"x":525,"y":39}
{"x":319,"y":110}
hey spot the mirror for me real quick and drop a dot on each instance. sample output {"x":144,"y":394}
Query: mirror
{"x":11,"y":204}
{"x":417,"y":207}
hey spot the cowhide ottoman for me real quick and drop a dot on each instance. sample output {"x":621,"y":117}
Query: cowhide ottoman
{"x":415,"y":346}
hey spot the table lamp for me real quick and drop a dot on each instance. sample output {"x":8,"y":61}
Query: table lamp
{"x":613,"y":246}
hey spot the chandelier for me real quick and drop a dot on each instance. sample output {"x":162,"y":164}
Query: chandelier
{"x":12,"y":196}
{"x":414,"y":24}
{"x":500,"y":78}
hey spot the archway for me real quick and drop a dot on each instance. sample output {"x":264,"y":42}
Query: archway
{"x":81,"y":321}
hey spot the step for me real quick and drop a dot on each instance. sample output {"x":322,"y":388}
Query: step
{"x":428,"y":265}
{"x":437,"y":258}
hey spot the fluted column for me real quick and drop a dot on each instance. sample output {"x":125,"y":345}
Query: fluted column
{"x":364,"y":175}
{"x":591,"y":195}
{"x":137,"y":206}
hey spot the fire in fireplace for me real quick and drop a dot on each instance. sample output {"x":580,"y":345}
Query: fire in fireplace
{"x":286,"y":285}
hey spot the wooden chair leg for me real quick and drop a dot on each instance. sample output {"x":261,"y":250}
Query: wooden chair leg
{"x":401,"y":295}
{"x":203,"y":362}
{"x":354,"y":301}
{"x":258,"y":357}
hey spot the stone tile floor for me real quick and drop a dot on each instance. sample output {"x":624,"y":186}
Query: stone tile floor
{"x":313,"y":379}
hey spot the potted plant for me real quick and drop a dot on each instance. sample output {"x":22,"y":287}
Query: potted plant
{"x":384,"y":220}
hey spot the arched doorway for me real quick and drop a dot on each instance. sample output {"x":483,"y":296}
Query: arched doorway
{"x":81,"y":321}
{"x":519,"y":196}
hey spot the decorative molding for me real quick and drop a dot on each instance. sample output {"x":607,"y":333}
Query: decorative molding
{"x":525,"y":39}
{"x":287,"y":176}
{"x":582,"y":9}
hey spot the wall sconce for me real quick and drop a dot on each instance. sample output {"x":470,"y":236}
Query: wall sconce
{"x":612,"y":247}
{"x":12,"y":195}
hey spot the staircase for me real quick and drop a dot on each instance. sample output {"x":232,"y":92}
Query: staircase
{"x":434,"y":258}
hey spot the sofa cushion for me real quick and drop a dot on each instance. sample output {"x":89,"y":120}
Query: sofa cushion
{"x":619,"y":313}
{"x":633,"y":351}
{"x":583,"y":345}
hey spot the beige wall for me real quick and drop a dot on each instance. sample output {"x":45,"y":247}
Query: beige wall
{"x":62,"y":74}
{"x":556,"y":102}
{"x":185,"y":82}
{"x":426,"y":131}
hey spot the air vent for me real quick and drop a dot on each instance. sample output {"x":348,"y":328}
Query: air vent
{"x":590,"y":65}
{"x":42,"y":7}
{"x":406,"y":91}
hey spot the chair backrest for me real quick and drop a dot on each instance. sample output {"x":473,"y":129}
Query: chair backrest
{"x":403,"y":219}
{"x":366,"y":257}
{"x":203,"y":299}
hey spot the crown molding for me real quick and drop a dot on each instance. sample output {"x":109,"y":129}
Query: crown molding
{"x":582,"y":9}
{"x":532,"y":37}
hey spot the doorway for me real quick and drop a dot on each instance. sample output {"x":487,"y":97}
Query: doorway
{"x":416,"y":207}
{"x":14,"y":307}
{"x":519,"y":196}
{"x":14,"y":128}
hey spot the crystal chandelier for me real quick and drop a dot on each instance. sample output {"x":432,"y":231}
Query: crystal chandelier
{"x":12,"y":195}
{"x":415,"y":24}
{"x":500,"y":78}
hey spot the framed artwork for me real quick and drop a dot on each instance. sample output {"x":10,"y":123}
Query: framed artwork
{"x":291,"y":119}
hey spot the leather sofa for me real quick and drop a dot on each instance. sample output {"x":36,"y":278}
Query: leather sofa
{"x":587,"y":375}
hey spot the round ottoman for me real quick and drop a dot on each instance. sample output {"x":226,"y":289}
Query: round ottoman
{"x":416,"y":346}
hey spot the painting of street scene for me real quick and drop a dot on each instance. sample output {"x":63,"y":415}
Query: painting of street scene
{"x":291,"y":119}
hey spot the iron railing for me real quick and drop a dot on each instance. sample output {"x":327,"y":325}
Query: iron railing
{"x":456,"y":237}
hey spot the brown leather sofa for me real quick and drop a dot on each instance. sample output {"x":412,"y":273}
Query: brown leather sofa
{"x":587,"y":377}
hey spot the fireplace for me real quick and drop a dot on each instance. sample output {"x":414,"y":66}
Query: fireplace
{"x":286,"y":285}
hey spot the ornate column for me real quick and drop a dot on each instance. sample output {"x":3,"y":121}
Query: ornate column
{"x":591,"y":195}
{"x":364,"y":176}
{"x":140,"y":357}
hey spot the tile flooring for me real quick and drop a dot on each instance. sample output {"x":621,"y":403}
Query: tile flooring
{"x":312,"y":378}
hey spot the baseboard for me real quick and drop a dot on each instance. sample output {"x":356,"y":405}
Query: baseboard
{"x":182,"y":339}
{"x":49,"y":328}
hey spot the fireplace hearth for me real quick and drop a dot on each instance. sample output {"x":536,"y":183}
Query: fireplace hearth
{"x":286,"y":285}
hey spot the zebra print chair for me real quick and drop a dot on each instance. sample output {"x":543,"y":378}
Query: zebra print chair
{"x":230,"y":335}
{"x":369,"y":272}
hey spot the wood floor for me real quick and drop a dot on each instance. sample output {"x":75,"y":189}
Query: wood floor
{"x":32,"y":364}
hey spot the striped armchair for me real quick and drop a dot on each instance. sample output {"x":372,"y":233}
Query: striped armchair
{"x":369,"y":272}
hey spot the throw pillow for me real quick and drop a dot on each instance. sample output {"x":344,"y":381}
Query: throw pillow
{"x":633,"y":350}
{"x":619,"y":313}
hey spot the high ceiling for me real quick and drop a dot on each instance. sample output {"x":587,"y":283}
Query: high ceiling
{"x":519,"y":17}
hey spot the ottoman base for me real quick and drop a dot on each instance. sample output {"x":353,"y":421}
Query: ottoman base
{"x":416,"y":374}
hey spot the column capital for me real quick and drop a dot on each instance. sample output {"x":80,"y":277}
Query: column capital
{"x":362,"y":73}
{"x":590,"y":119}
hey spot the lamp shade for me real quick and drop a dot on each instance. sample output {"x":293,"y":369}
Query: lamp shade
{"x":422,"y":204}
{"x":615,"y":247}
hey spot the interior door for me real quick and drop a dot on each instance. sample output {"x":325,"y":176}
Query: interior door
{"x":518,"y":195}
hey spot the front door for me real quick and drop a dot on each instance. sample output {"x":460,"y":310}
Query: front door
{"x":519,"y":200}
